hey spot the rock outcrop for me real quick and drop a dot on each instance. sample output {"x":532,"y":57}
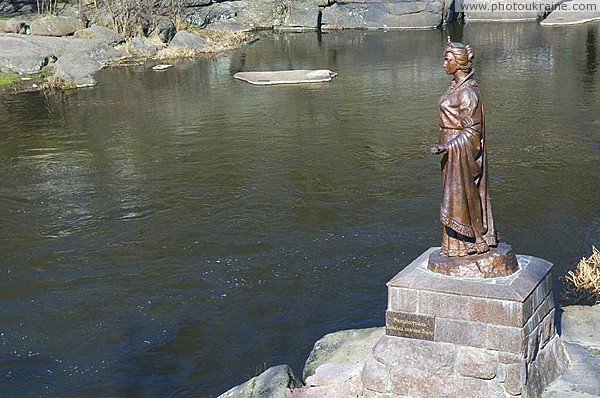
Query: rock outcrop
{"x":186,"y":40}
{"x":345,"y":347}
{"x":9,"y":7}
{"x":165,"y":29}
{"x":565,"y":17}
{"x":580,"y":335}
{"x":100,"y":34}
{"x":242,"y":15}
{"x":141,"y":47}
{"x":391,"y":14}
{"x":305,"y":15}
{"x":340,"y":362}
{"x":273,"y":382}
{"x":75,"y":59}
{"x":15,"y":25}
{"x":52,"y":25}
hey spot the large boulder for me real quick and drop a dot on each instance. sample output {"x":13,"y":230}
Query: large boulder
{"x":76,"y":59}
{"x":165,"y":29}
{"x":241,"y":15}
{"x":579,"y":325}
{"x":81,"y":58}
{"x":564,"y":17}
{"x":11,"y":7}
{"x":53,"y":25}
{"x":272,"y":383}
{"x":21,"y":54}
{"x":100,"y":34}
{"x":101,"y":16}
{"x":579,"y":333}
{"x":198,"y":3}
{"x":345,"y":347}
{"x":188,"y":41}
{"x":14,"y":25}
{"x":504,"y":11}
{"x":384,"y":14}
{"x":334,"y":366}
{"x":141,"y":47}
{"x":296,"y":15}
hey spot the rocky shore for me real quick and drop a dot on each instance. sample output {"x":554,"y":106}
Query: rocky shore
{"x":45,"y":50}
{"x":334,"y":368}
{"x":63,"y":54}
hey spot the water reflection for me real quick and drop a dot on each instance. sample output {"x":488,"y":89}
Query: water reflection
{"x":591,"y":45}
{"x":163,"y":226}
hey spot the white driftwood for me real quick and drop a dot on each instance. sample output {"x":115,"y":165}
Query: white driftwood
{"x":286,"y":76}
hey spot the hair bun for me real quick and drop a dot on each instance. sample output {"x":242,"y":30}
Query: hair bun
{"x":470,"y":52}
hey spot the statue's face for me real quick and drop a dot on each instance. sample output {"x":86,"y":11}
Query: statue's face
{"x":450,"y":65}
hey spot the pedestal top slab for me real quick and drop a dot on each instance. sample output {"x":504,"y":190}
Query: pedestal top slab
{"x":516,"y":287}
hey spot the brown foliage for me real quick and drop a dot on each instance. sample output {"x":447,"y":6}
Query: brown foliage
{"x":133,"y":18}
{"x":586,"y":277}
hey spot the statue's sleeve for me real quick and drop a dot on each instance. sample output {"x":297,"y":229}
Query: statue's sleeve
{"x":470,"y":120}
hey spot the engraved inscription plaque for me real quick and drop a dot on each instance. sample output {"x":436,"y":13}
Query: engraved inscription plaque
{"x":413,"y":326}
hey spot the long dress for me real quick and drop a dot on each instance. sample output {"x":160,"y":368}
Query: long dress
{"x":466,"y":213}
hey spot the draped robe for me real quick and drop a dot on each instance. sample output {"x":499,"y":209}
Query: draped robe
{"x":465,"y":213}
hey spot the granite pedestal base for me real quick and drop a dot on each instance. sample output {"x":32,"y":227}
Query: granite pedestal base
{"x":467,"y":337}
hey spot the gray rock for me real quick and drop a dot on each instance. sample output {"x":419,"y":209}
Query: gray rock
{"x":325,"y":3}
{"x":101,"y":16}
{"x":52,"y":25}
{"x":506,"y":11}
{"x":20,"y":54}
{"x":198,"y":3}
{"x":296,"y":15}
{"x":244,"y":15}
{"x":346,"y":346}
{"x":81,"y":58}
{"x":76,"y":59}
{"x":579,"y":325}
{"x":10,"y":7}
{"x":272,"y":383}
{"x":293,"y":76}
{"x":579,"y":333}
{"x":228,"y":26}
{"x":100,"y":34}
{"x":14,"y":25}
{"x":582,"y":376}
{"x":183,"y":39}
{"x":331,"y":380}
{"x":141,"y":47}
{"x":165,"y":29}
{"x":391,"y":14}
{"x":562,"y":17}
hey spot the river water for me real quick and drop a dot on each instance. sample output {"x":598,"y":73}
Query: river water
{"x":171,"y":234}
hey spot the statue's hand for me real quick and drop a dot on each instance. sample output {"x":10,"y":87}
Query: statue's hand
{"x":437,"y":149}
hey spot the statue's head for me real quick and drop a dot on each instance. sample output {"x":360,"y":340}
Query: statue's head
{"x":462,"y":54}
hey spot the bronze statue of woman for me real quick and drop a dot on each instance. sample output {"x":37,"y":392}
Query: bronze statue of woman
{"x":466,"y":213}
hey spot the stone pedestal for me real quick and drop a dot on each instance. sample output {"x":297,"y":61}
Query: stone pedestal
{"x":467,"y":337}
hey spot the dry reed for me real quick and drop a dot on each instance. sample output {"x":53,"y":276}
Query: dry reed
{"x":586,"y":277}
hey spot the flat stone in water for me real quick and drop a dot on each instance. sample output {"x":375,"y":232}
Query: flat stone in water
{"x":161,"y":67}
{"x":499,"y":261}
{"x":286,"y":76}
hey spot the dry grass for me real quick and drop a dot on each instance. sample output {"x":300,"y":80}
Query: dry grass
{"x":175,"y":53}
{"x":216,"y":42}
{"x":53,"y":81}
{"x":586,"y":277}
